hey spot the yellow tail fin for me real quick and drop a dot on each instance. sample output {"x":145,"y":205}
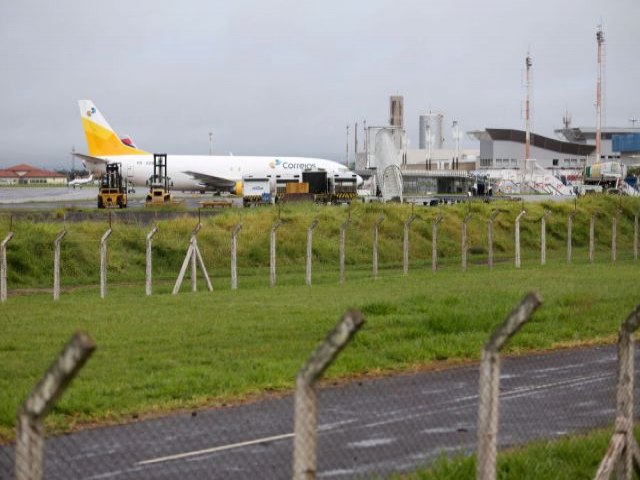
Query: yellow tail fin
{"x":101,"y":139}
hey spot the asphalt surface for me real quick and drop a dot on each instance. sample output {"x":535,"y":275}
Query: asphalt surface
{"x":367,"y":428}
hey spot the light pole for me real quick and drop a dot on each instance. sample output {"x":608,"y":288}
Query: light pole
{"x":210,"y":143}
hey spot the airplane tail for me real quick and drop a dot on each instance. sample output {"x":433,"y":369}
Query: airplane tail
{"x":101,"y":139}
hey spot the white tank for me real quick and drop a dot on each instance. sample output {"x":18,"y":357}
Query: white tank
{"x":431,"y":124}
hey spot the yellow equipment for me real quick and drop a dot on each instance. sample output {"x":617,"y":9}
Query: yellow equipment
{"x":113,"y":188}
{"x":159,"y":182}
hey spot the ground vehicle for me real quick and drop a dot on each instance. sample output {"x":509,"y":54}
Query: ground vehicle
{"x":113,"y":188}
{"x":159,"y":182}
{"x":256,"y":190}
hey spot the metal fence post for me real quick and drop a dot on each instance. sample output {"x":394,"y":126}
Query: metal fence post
{"x":3,"y":267}
{"x":569,"y":235}
{"x":434,"y":242}
{"x":343,"y":236}
{"x":405,"y":244}
{"x":272,"y":253}
{"x":543,"y":237}
{"x":305,"y":415}
{"x":464,"y":247}
{"x":614,"y":234}
{"x":193,"y":255}
{"x":520,"y":215}
{"x":635,"y":237}
{"x":490,"y":385}
{"x":234,"y":255}
{"x":376,"y":226}
{"x":29,"y":427}
{"x":592,"y":234}
{"x":623,"y":453}
{"x":313,"y":225}
{"x":103,"y":263}
{"x":56,"y":264}
{"x":492,"y":217}
{"x":148,"y":266}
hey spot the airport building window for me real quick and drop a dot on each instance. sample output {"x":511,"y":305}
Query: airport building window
{"x":556,"y":162}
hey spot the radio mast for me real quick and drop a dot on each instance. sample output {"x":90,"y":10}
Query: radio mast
{"x":527,"y":109}
{"x":600,"y":40}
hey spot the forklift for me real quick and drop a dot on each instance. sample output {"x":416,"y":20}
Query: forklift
{"x":159,"y":183}
{"x":113,"y":188}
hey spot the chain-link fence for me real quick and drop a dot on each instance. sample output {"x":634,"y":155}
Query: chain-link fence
{"x":351,"y":429}
{"x":360,"y":429}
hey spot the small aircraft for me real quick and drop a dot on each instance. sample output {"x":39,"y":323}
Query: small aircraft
{"x":188,"y":172}
{"x":79,"y":182}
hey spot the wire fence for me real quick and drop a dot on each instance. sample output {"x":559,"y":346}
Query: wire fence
{"x":330,"y":252}
{"x":354,"y":429}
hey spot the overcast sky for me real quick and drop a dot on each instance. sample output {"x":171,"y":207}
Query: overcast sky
{"x":283,"y":77}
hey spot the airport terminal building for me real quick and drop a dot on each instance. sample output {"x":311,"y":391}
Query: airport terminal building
{"x":505,"y":148}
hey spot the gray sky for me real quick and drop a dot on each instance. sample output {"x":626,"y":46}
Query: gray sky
{"x":276,"y":77}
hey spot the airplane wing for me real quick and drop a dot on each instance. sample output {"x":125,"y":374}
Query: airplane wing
{"x":211,"y":181}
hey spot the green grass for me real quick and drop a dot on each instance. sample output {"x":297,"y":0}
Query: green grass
{"x":570,"y":458}
{"x":165,"y":352}
{"x":30,"y":253}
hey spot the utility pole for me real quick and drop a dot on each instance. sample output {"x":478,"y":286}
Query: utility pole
{"x":600,"y":40}
{"x":73,"y":162}
{"x":346,"y":161}
{"x":355,"y":134}
{"x":527,"y":143}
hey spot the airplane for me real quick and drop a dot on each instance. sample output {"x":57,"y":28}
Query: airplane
{"x":79,"y":182}
{"x":188,"y":172}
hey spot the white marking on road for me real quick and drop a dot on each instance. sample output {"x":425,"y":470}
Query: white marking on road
{"x":374,"y":442}
{"x":221,"y":448}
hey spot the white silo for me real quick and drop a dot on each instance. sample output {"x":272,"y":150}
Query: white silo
{"x":431,"y":126}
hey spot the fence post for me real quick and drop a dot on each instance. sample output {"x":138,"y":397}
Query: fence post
{"x":103,"y":263}
{"x":272,"y":253}
{"x":520,"y":215}
{"x":405,"y":244}
{"x":434,"y":242}
{"x":29,"y":427}
{"x":376,"y":226}
{"x":623,"y":453}
{"x":592,"y":231}
{"x":56,"y":264}
{"x":343,"y":236}
{"x":3,"y":267}
{"x":313,"y":225}
{"x":148,"y":269}
{"x":234,"y":255}
{"x":569,"y":235}
{"x":543,"y":237}
{"x":305,"y":415}
{"x":193,"y":255}
{"x":614,"y":234}
{"x":492,"y":217}
{"x":464,"y":247}
{"x":194,"y":269}
{"x":635,"y":237}
{"x":490,"y":385}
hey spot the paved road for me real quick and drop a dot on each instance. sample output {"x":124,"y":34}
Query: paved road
{"x":368,"y":428}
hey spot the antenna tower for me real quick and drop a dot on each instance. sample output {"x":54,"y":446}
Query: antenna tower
{"x":527,"y":143}
{"x":600,"y":40}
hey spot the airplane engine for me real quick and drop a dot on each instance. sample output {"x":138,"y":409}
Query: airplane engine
{"x":237,"y":190}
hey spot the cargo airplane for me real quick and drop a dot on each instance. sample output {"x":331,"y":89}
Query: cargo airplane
{"x":188,"y":172}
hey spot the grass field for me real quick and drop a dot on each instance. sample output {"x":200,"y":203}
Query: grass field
{"x":164,"y":352}
{"x":30,"y":253}
{"x":566,"y":459}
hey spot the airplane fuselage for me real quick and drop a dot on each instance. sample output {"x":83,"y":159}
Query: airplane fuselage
{"x":187,"y":172}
